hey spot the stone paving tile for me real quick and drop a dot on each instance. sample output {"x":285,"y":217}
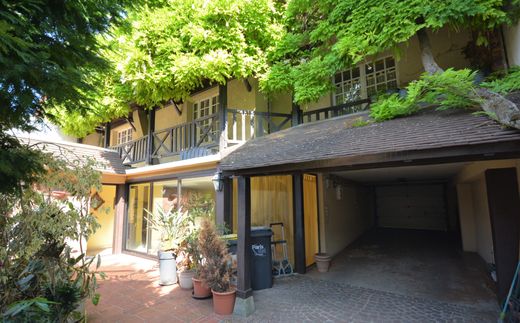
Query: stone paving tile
{"x":135,"y":296}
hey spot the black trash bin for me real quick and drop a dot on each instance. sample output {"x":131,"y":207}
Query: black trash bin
{"x":261,"y":265}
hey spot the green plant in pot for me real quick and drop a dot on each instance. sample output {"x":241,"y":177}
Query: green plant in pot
{"x":216,"y":268}
{"x":171,"y":225}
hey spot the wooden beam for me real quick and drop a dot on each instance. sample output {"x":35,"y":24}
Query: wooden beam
{"x":244,"y":238}
{"x":119,"y":217}
{"x":296,"y":115}
{"x":107,"y":135}
{"x":151,"y":130}
{"x":224,"y":204}
{"x":299,"y":230}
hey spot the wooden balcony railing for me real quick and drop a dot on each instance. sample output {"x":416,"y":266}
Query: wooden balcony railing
{"x":202,"y":133}
{"x":336,"y":111}
{"x":201,"y":137}
{"x":243,"y":125}
{"x":134,"y":151}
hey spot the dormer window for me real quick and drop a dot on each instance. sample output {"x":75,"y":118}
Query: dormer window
{"x":365,"y":80}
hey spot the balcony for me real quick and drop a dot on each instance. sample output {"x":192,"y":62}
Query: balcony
{"x":203,"y":136}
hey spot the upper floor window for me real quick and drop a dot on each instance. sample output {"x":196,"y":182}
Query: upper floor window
{"x":205,"y":107}
{"x":365,"y":80}
{"x":124,"y":136}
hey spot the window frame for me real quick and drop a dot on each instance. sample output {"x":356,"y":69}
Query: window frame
{"x":128,"y":136}
{"x":363,"y":91}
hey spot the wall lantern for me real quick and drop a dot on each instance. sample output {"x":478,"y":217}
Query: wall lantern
{"x":218,"y":181}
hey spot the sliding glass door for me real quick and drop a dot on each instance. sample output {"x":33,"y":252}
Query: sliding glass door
{"x":154,"y":197}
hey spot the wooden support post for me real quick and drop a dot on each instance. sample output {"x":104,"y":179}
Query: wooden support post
{"x":225,"y":204}
{"x":296,"y":115}
{"x":244,"y":237}
{"x":119,"y":217}
{"x":244,"y":304}
{"x":299,"y":233}
{"x":106,"y":142}
{"x":149,"y":144}
{"x":222,"y":118}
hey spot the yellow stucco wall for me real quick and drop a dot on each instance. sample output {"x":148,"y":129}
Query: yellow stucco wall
{"x":93,"y":139}
{"x":102,"y":239}
{"x":342,"y":220}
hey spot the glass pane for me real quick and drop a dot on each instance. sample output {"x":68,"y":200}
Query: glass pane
{"x":392,"y":85}
{"x":390,"y":75}
{"x":198,"y":195}
{"x":355,"y":72}
{"x":370,"y":80}
{"x":380,"y":65}
{"x":337,"y":78}
{"x":165,"y":198}
{"x":137,"y":237}
{"x":380,"y":78}
{"x":390,"y":62}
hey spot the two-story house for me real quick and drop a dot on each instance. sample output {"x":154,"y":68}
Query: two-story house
{"x":265,"y":160}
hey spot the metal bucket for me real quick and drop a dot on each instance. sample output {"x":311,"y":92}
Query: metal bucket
{"x":167,"y":268}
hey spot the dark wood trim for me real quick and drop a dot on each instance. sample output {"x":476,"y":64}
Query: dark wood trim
{"x":297,"y":115}
{"x":504,"y":212}
{"x":491,"y":151}
{"x":223,"y":102}
{"x":108,"y":128}
{"x":224,"y":204}
{"x":244,"y":238}
{"x":299,"y":230}
{"x":121,"y":199}
{"x":151,"y":130}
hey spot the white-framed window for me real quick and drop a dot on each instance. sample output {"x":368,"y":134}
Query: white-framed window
{"x":124,"y":136}
{"x":365,"y":80}
{"x":202,"y":109}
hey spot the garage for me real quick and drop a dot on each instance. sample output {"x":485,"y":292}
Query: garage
{"x":412,"y":206}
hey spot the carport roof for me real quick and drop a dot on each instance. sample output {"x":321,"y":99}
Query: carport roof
{"x":335,"y":142}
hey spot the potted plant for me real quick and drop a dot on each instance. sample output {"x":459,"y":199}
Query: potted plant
{"x":188,"y":254}
{"x":171,"y":225}
{"x":216,"y":268}
{"x":322,"y":262}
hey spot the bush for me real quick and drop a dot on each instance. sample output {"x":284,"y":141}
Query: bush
{"x":450,"y":89}
{"x":504,"y":83}
{"x":216,"y":268}
{"x":39,"y":278}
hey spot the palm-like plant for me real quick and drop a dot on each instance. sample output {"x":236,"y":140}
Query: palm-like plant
{"x":174,"y":226}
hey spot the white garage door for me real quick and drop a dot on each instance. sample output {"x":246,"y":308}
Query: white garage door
{"x":411,"y":206}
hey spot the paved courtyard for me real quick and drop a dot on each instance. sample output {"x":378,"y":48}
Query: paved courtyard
{"x":131,"y":294}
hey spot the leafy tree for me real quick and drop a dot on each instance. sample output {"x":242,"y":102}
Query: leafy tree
{"x":50,"y":55}
{"x":176,"y":47}
{"x":324,"y":37}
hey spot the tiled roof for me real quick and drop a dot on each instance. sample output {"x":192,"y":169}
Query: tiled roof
{"x":336,"y":138}
{"x":106,"y":160}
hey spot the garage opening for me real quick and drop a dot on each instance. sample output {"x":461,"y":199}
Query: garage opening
{"x":406,"y":230}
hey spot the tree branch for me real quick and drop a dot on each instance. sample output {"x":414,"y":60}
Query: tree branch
{"x":428,"y":61}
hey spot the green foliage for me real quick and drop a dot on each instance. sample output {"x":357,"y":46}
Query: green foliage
{"x":448,"y":90}
{"x":216,"y":267}
{"x":359,"y":122}
{"x":48,"y":50}
{"x":176,"y":47}
{"x":504,"y":83}
{"x":174,"y":226}
{"x":35,"y":261}
{"x":324,"y":37}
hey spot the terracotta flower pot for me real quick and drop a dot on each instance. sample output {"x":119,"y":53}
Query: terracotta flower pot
{"x":322,"y":262}
{"x":200,"y":289}
{"x":224,"y":303}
